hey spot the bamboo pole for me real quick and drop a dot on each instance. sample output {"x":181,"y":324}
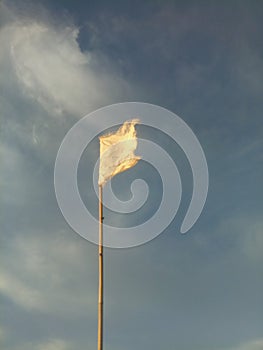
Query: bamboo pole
{"x":100,"y":288}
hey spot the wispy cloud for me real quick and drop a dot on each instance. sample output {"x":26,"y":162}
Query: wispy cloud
{"x":255,"y":344}
{"x":3,"y":334}
{"x":41,"y":272}
{"x":52,"y":71}
{"x":55,"y":344}
{"x":48,"y":344}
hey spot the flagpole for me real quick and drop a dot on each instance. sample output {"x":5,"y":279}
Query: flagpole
{"x":100,"y":289}
{"x":126,"y":132}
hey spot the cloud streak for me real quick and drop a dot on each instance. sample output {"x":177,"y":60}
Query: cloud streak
{"x":33,"y":274}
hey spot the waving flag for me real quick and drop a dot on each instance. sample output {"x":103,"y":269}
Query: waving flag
{"x":117,"y":151}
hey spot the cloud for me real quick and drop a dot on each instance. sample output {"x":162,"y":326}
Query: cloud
{"x":48,"y":344}
{"x":253,"y":241}
{"x":256,"y":344}
{"x":2,"y":334}
{"x":235,"y":236}
{"x":55,"y":344}
{"x":51,"y":69}
{"x":18,"y":291}
{"x":43,"y":272}
{"x":245,"y":233}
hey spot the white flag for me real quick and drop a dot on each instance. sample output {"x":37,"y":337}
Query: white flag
{"x":117,"y":151}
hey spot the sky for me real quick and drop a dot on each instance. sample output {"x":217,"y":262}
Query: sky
{"x":202,"y":60}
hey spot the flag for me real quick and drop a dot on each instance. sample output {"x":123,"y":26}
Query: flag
{"x":117,"y":151}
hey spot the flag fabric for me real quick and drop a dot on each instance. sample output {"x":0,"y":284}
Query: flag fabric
{"x":117,"y":151}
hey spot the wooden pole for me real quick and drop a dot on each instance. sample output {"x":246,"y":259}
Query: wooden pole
{"x":100,"y":289}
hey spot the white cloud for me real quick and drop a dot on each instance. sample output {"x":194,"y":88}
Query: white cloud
{"x":45,"y":273}
{"x":2,"y":334}
{"x":19,"y":291}
{"x":248,"y":235}
{"x":49,"y":344}
{"x":53,"y":71}
{"x":256,"y":344}
{"x":253,"y":240}
{"x":55,"y":344}
{"x":249,"y":70}
{"x":241,"y":233}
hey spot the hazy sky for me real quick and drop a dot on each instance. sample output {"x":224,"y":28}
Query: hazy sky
{"x":203,"y":60}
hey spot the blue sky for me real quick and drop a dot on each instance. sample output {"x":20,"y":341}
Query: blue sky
{"x":60,"y":60}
